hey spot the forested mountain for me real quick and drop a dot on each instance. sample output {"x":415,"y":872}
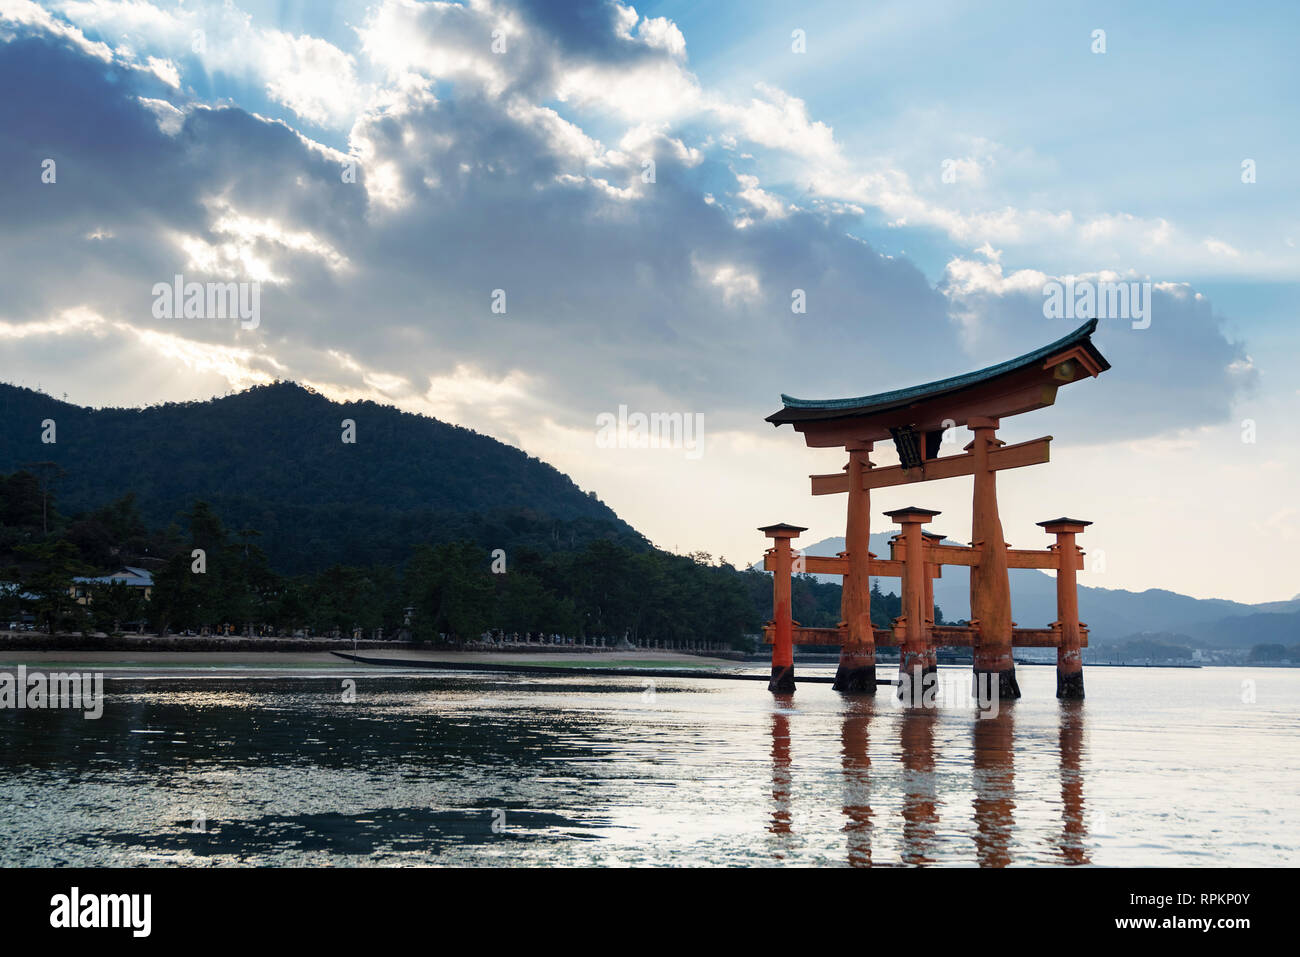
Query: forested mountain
{"x":273,"y":458}
{"x":302,"y":531}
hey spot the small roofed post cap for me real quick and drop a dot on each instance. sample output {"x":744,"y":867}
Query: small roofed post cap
{"x":782,"y":530}
{"x":1057,"y":526}
{"x":912,"y":514}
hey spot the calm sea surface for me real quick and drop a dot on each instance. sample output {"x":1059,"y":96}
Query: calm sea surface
{"x":1157,"y":767}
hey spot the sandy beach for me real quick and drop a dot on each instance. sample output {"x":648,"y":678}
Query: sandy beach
{"x":234,"y":663}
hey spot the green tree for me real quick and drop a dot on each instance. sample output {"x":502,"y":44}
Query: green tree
{"x":114,"y":604}
{"x":47,"y":474}
{"x":451,"y":590}
{"x":54,"y":605}
{"x":21,"y":503}
{"x":175,"y":601}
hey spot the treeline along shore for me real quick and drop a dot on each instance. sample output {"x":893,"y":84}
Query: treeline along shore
{"x":104,"y":572}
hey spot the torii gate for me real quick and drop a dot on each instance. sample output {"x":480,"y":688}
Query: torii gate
{"x":916,"y":418}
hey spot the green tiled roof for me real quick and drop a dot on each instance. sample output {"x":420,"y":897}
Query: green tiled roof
{"x":882,"y":400}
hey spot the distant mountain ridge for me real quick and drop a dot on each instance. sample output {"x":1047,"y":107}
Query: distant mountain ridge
{"x":1110,"y":613}
{"x":272,"y":457}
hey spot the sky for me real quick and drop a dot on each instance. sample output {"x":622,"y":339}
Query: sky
{"x":522,"y":217}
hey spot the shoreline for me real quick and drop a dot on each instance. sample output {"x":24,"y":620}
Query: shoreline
{"x":138,"y":663}
{"x":145,"y":656}
{"x":32,"y":641}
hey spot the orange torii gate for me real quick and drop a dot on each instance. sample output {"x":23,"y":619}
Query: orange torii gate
{"x":916,"y":419}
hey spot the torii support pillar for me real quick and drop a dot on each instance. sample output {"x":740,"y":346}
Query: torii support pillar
{"x":933,"y":571}
{"x":857,"y":671}
{"x":1069,"y":653}
{"x":917,"y":662}
{"x":782,"y":681}
{"x":990,"y":589}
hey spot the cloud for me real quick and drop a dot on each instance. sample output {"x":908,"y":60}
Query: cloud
{"x":779,"y":121}
{"x":307,"y":75}
{"x":311,"y":77}
{"x":1180,"y":373}
{"x":478,"y":171}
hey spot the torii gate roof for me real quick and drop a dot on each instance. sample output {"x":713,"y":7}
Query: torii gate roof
{"x":1018,"y":385}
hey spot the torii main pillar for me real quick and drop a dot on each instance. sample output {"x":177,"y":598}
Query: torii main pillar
{"x":990,"y":588}
{"x":857,"y":670}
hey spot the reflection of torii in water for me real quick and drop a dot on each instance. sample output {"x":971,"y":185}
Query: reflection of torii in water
{"x":916,"y":420}
{"x":916,"y":794}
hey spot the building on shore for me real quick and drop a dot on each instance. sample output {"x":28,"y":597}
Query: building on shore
{"x":128,"y":575}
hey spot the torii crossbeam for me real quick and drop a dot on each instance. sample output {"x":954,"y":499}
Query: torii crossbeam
{"x":915,"y":419}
